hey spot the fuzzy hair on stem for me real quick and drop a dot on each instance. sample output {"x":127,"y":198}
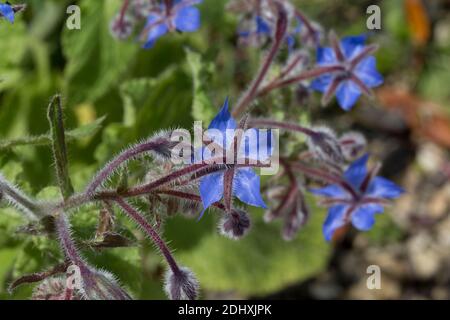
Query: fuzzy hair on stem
{"x":159,"y":146}
{"x":140,"y":220}
{"x":16,"y":198}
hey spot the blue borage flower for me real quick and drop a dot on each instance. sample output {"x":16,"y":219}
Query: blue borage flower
{"x":7,"y":12}
{"x":356,"y":73}
{"x":180,"y":16}
{"x":361,"y":195}
{"x":245,"y":182}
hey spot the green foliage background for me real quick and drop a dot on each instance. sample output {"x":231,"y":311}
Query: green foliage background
{"x":116,"y":93}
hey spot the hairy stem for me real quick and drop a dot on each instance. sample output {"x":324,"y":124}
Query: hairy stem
{"x":62,"y":226}
{"x":308,"y":25}
{"x":324,"y":176}
{"x":198,"y":171}
{"x":252,"y":91}
{"x":281,"y":125}
{"x":309,"y":74}
{"x":188,"y":196}
{"x":154,"y":236}
{"x":15,"y":196}
{"x":126,"y":155}
{"x":123,"y":10}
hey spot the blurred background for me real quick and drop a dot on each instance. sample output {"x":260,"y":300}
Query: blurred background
{"x":116,"y":93}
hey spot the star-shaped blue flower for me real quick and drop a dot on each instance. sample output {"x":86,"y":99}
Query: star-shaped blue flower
{"x":7,"y":12}
{"x":355,"y":71}
{"x":244,"y":182}
{"x":357,"y":199}
{"x":180,"y":16}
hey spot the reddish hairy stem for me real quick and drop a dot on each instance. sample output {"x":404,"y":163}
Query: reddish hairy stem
{"x":313,"y":73}
{"x":154,"y":236}
{"x":281,"y":125}
{"x":252,"y":92}
{"x":84,"y":198}
{"x":120,"y":159}
{"x":290,"y":67}
{"x":290,"y":196}
{"x":307,"y":24}
{"x":146,"y":188}
{"x":325,"y":176}
{"x":66,"y":241}
{"x":123,"y":10}
{"x":188,"y":196}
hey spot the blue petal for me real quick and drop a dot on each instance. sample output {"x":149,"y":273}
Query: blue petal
{"x":357,"y":171}
{"x":363,"y":218}
{"x":335,"y":220}
{"x":243,"y":34}
{"x":384,"y":188}
{"x":325,"y":56}
{"x":7,"y":12}
{"x":247,"y":187}
{"x":321,"y":83}
{"x":223,"y":119}
{"x":352,"y":45}
{"x":156,"y":31}
{"x":211,"y":189}
{"x":226,"y":125}
{"x":330,"y":191}
{"x":261,"y":26}
{"x":187,"y":19}
{"x":366,"y":71}
{"x":347,"y":94}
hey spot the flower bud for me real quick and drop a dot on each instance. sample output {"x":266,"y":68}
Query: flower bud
{"x":295,"y":219}
{"x":163,"y":150}
{"x":96,"y":285}
{"x":353,"y":145}
{"x":235,"y":225}
{"x":325,"y":147}
{"x":181,"y":285}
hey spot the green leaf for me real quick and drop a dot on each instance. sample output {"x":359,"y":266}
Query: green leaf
{"x":7,"y":257}
{"x":202,"y":107}
{"x":156,"y":103}
{"x":13,"y":48}
{"x":261,"y":262}
{"x":95,"y":59}
{"x":55,"y":119}
{"x":49,"y":193}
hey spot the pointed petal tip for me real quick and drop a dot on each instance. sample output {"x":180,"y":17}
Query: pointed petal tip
{"x":201,"y":214}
